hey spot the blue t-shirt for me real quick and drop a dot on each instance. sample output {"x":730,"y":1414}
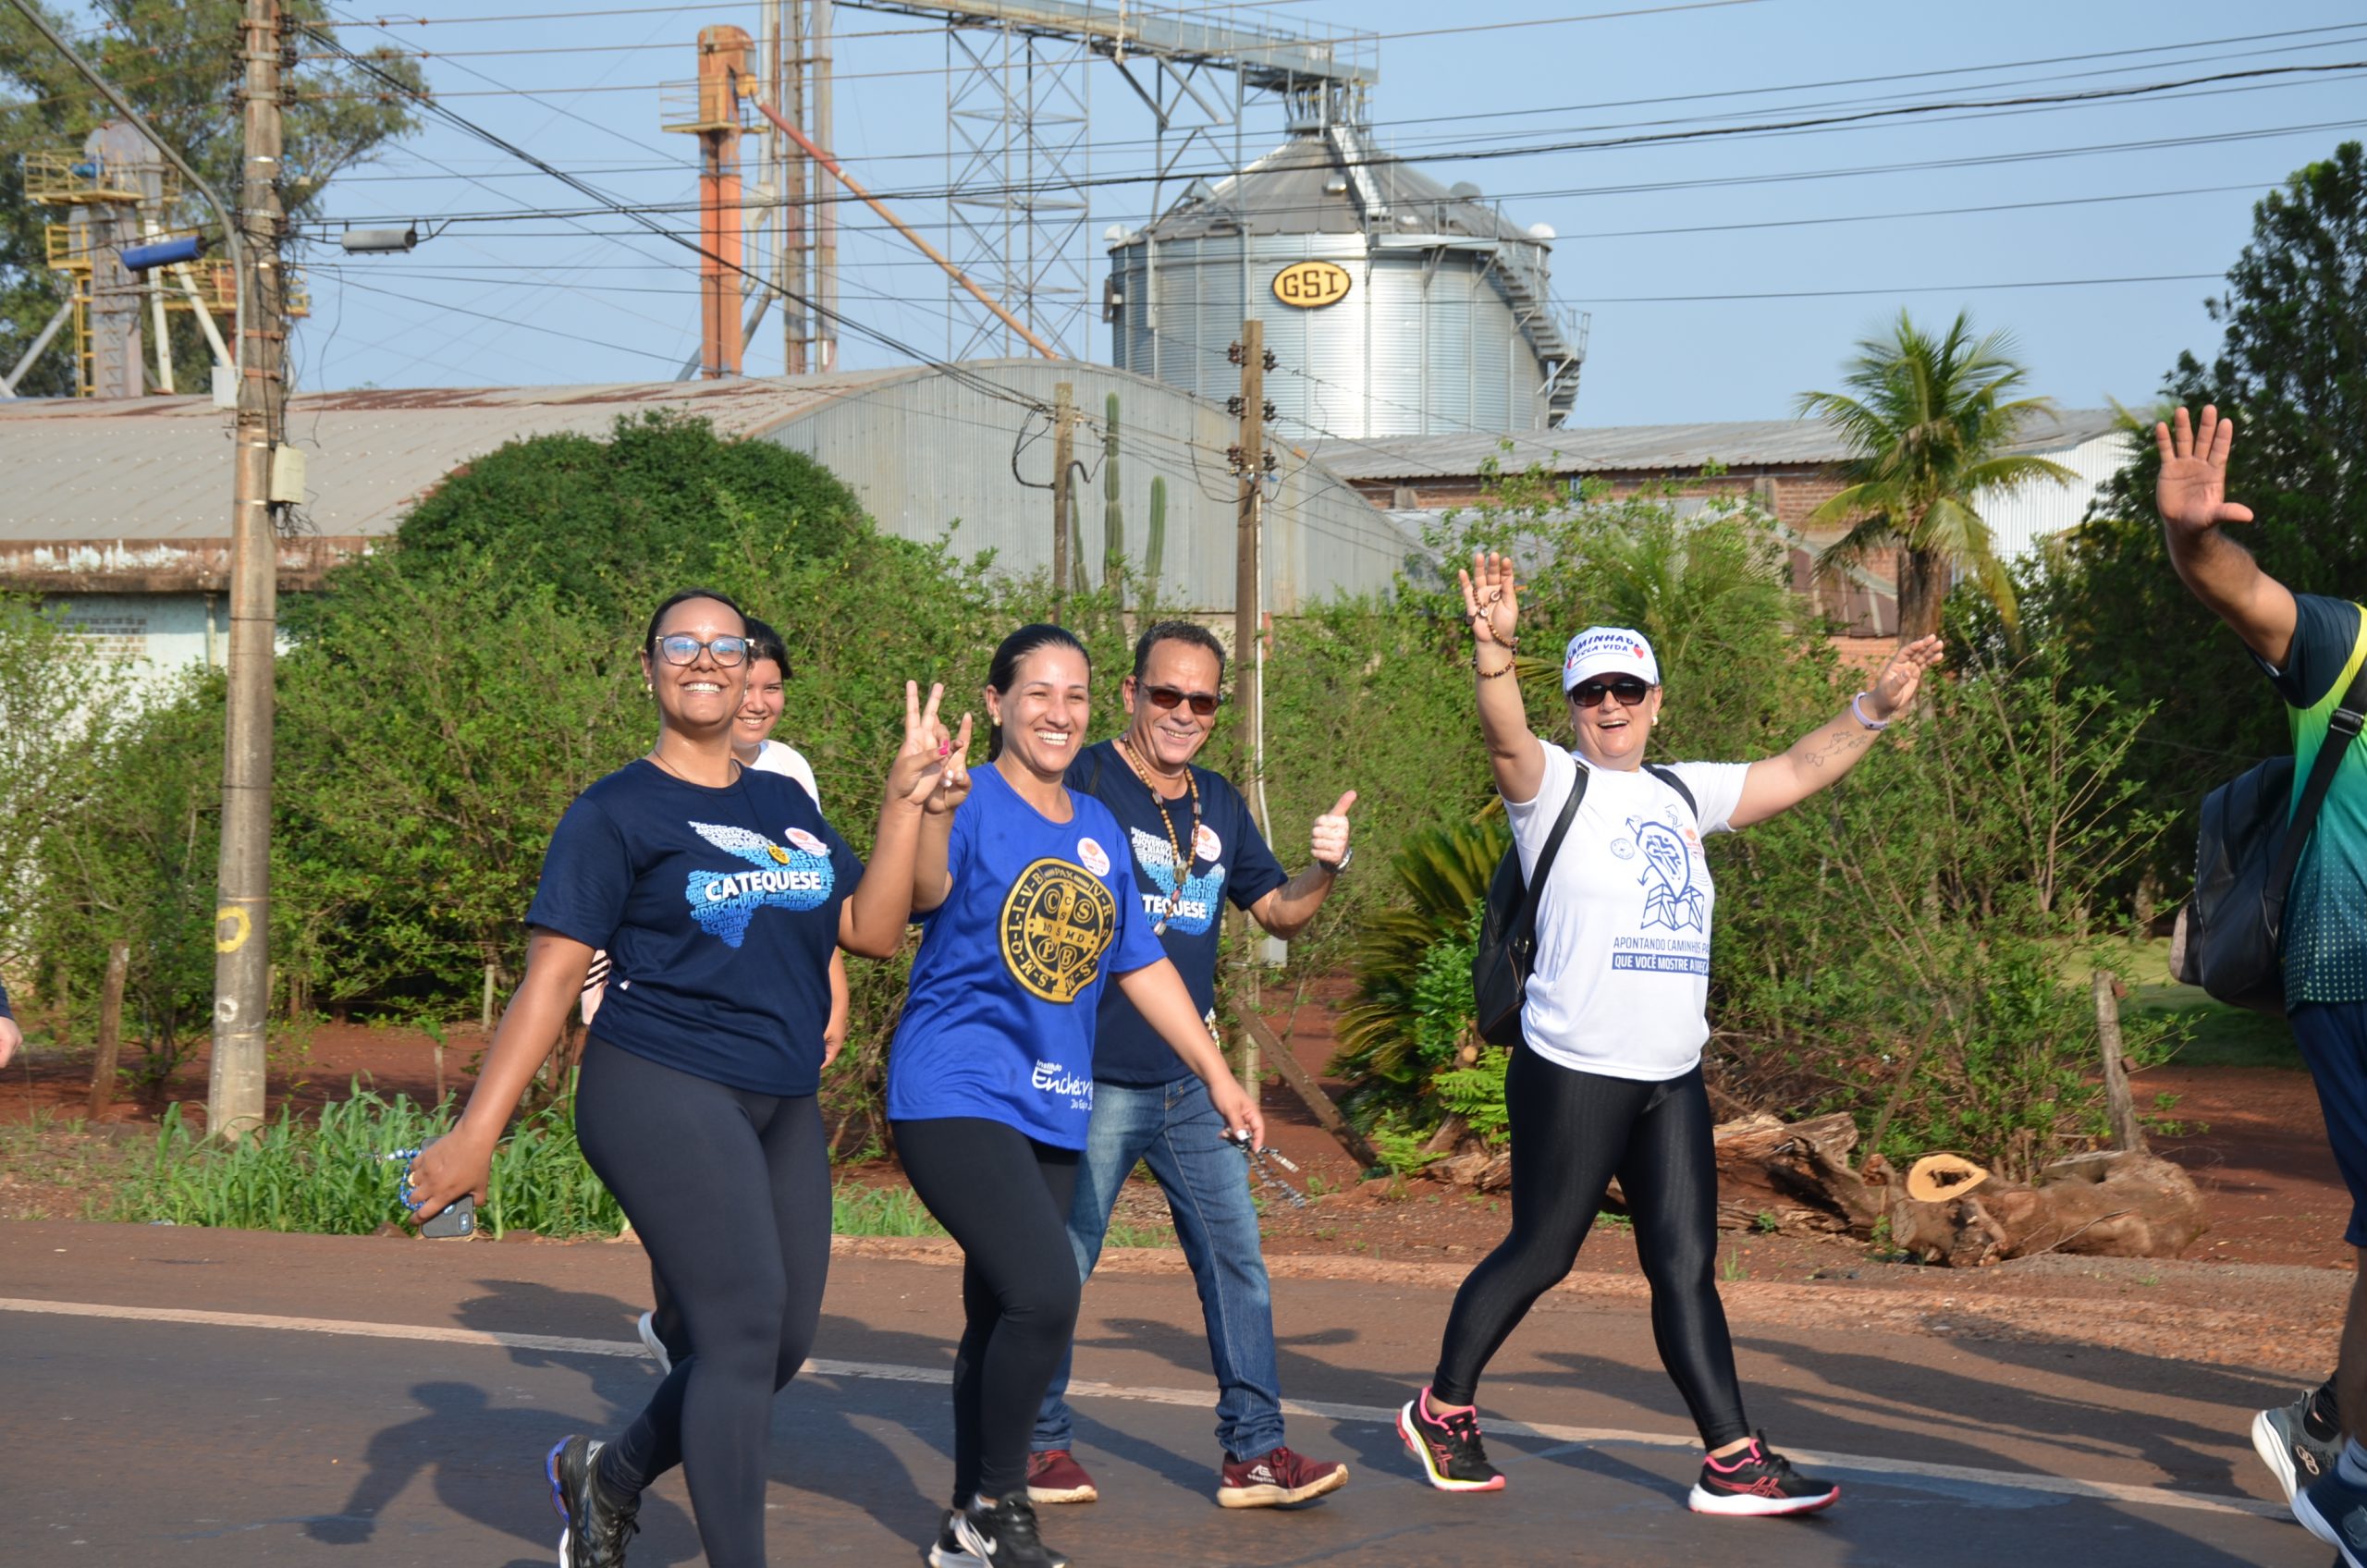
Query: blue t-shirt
{"x":2326,"y":912}
{"x":1229,"y":859}
{"x":1013,"y":964}
{"x":719,"y":910}
{"x":4,"y":1003}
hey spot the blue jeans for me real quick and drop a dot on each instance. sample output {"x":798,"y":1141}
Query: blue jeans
{"x":1206,"y":1180}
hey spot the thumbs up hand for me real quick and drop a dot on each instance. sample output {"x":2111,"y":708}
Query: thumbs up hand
{"x":1331,"y":836}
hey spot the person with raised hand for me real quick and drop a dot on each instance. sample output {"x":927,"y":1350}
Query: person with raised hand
{"x":1028,"y":906}
{"x":2311,"y":647}
{"x":720,"y":893}
{"x":1606,"y":1080}
{"x":1195,"y":847}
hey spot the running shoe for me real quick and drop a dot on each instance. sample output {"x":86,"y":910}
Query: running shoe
{"x":1054,"y":1476}
{"x":1002,"y":1535}
{"x":1757,"y":1480}
{"x":652,"y":1344}
{"x":1272,"y":1479}
{"x":1454,"y":1459}
{"x":949,"y":1551}
{"x":2282,"y":1440}
{"x":2336,"y":1512}
{"x":596,"y":1529}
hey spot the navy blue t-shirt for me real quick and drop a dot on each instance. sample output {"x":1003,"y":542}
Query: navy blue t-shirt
{"x":999,"y":1023}
{"x":719,"y":910}
{"x":4,"y":1003}
{"x":1230,"y":860}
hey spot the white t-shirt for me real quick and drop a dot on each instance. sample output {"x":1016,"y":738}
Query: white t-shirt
{"x":774,"y":757}
{"x":1622,"y":979}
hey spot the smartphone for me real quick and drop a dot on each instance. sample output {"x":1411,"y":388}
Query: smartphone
{"x":456,"y":1221}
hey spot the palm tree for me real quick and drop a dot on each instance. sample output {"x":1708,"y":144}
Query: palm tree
{"x":1930,"y":420}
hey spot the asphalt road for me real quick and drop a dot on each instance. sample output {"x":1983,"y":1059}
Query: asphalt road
{"x":210,"y":1398}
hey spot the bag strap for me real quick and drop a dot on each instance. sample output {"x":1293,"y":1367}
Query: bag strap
{"x":1535,"y":893}
{"x":1668,"y":776}
{"x":2342,"y":729}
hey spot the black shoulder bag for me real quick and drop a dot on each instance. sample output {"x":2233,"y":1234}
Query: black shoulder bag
{"x":2229,"y":934}
{"x":1500,"y":968}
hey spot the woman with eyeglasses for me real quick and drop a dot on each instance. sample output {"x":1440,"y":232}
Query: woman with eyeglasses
{"x":1607,"y":1079}
{"x":1028,"y":906}
{"x":720,"y":893}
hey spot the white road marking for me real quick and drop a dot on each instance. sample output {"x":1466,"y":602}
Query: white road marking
{"x":1886,"y":1469}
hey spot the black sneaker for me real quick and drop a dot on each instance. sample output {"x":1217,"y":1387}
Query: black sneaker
{"x":1757,"y":1480}
{"x":949,"y":1551}
{"x":596,"y":1529}
{"x":1454,"y":1459}
{"x":1001,"y":1536}
{"x":2284,"y":1442}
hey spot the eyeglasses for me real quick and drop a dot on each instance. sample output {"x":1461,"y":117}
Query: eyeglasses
{"x":682,"y":648}
{"x":1626,"y":688}
{"x":1203,"y":702}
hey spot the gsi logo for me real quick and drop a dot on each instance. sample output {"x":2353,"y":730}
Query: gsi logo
{"x":1312,"y":285}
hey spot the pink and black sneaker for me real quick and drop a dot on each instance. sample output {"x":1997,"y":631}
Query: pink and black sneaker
{"x":1274,"y":1479}
{"x":1454,"y":1459}
{"x":1757,"y":1480}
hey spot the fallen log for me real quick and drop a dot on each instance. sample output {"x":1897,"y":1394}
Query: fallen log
{"x":1799,"y":1178}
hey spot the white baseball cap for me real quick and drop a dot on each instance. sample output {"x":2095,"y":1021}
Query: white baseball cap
{"x":1609,"y":650}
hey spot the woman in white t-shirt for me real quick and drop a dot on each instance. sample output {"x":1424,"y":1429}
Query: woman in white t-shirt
{"x":1607,"y":1079}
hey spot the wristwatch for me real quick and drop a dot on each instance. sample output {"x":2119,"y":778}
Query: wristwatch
{"x":1335,"y":867}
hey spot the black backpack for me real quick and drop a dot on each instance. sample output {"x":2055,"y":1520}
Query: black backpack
{"x":1507,"y":951}
{"x":2229,"y":934}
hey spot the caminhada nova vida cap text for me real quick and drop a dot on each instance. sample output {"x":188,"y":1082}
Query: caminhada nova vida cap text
{"x":1609,"y":650}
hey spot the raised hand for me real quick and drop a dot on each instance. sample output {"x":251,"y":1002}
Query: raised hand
{"x":953,"y":780}
{"x":1903,"y":676}
{"x":2192,"y":491}
{"x":1491,"y":602}
{"x":920,"y":760}
{"x":1331,"y":836}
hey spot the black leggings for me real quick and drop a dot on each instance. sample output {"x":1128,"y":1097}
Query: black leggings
{"x":1572,"y":1132}
{"x":1005,"y":1197}
{"x":729,"y":1191}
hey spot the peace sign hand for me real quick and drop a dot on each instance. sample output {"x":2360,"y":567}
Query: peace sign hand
{"x":1491,"y":602}
{"x":927,"y":759}
{"x":2192,"y":492}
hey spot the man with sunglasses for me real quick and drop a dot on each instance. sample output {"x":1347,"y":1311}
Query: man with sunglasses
{"x":1195,"y":846}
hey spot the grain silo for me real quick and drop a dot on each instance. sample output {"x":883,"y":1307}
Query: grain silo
{"x":1393,"y":305}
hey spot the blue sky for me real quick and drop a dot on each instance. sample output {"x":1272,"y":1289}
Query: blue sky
{"x":1710,"y":298}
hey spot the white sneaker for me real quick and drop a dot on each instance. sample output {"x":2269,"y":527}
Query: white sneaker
{"x":652,"y":1344}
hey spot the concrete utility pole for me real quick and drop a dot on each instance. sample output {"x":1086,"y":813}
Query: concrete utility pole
{"x":1247,"y":592}
{"x":242,"y":922}
{"x":825,"y":227}
{"x":1063,"y":456}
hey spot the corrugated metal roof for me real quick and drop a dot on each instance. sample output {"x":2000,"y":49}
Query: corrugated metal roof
{"x":159,"y":468}
{"x":1646,"y":447}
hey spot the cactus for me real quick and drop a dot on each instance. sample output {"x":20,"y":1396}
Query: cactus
{"x":1113,"y":514}
{"x":1154,"y":547}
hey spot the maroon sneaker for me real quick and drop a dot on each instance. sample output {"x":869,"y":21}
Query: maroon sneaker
{"x":1054,"y":1476}
{"x":1272,"y":1479}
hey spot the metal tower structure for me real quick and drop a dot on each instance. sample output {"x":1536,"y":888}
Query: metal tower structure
{"x":1018,"y":142}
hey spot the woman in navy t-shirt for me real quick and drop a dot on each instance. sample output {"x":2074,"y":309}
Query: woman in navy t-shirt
{"x":1027,"y":897}
{"x":720,"y":894}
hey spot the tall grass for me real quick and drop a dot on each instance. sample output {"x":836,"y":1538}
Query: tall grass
{"x":333,"y":1175}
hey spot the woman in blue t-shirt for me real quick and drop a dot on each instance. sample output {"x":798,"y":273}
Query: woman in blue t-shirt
{"x":1026,"y":897}
{"x":719,"y":893}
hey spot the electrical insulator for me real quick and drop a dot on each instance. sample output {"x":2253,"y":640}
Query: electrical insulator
{"x":1234,"y":458}
{"x":1271,"y":463}
{"x":1233,"y":355}
{"x":1232,"y":405}
{"x":1270,"y":360}
{"x":1269,"y":411}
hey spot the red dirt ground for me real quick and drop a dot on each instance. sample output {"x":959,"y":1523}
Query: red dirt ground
{"x":2259,"y":1150}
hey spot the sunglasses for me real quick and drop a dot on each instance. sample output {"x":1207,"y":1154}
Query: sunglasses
{"x":1626,"y":688}
{"x":682,"y":648}
{"x":1203,"y":702}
